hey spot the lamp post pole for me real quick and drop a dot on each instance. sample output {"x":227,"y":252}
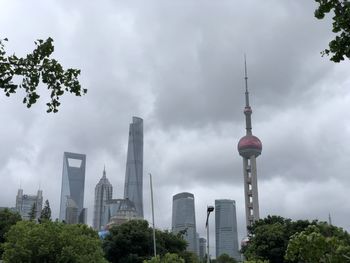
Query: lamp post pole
{"x":154,"y":229}
{"x":209,"y":210}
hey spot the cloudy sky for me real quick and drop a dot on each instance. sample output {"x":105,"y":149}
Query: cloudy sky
{"x":179,"y":66}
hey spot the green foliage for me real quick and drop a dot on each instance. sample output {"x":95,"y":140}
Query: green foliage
{"x":167,"y":258}
{"x":46,"y":212}
{"x":7,"y":219}
{"x":34,"y":67}
{"x":32,"y":213}
{"x":319,"y":243}
{"x":52,"y":242}
{"x":133,"y":242}
{"x":256,"y":261}
{"x":269,"y":238}
{"x":224,"y":258}
{"x":189,"y":257}
{"x":339,"y":47}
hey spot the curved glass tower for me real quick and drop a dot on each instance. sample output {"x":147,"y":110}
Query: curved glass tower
{"x":134,"y":166}
{"x":72,"y":191}
{"x":184,"y":219}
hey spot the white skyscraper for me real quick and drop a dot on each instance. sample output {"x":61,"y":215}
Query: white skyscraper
{"x":184,"y":219}
{"x":24,"y":204}
{"x":226,"y":228}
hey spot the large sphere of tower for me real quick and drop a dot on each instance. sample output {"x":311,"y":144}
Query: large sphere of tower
{"x":249,"y":145}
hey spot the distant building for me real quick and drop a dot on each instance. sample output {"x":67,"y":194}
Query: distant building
{"x":117,"y":212}
{"x":24,"y":203}
{"x":72,"y":190}
{"x":71,"y":212}
{"x":226,"y":228}
{"x":184,"y":219}
{"x":103,"y":193}
{"x":202,"y":248}
{"x":133,"y":189}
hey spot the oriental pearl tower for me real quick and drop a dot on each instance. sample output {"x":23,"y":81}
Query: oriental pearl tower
{"x":249,"y":147}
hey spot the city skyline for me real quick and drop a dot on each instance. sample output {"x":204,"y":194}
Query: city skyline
{"x":179,"y":67}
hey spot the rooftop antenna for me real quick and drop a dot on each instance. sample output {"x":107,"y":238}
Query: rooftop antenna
{"x":246,"y":82}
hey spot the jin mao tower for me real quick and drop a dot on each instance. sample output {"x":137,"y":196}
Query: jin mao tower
{"x":249,"y":147}
{"x":103,"y":193}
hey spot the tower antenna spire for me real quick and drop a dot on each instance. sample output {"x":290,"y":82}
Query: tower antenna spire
{"x":246,"y":82}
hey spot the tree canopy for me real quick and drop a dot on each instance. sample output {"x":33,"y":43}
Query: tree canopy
{"x":319,"y":243}
{"x":7,"y":219}
{"x":52,"y":242}
{"x":33,"y":68}
{"x":224,"y":258}
{"x":339,"y":47}
{"x":133,"y":242}
{"x":269,"y":238}
{"x":167,"y":258}
{"x":46,"y":212}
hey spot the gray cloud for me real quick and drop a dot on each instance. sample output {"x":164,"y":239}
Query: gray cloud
{"x":180,"y":67}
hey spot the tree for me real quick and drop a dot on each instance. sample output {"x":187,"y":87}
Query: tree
{"x":133,"y":242}
{"x":32,"y":213}
{"x":46,"y":212}
{"x":167,"y":258}
{"x":34,"y":67}
{"x":339,"y":47}
{"x":269,"y":238}
{"x":224,"y":258}
{"x":52,"y":242}
{"x":7,"y":219}
{"x":319,"y":243}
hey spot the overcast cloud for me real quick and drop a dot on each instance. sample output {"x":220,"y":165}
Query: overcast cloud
{"x":179,"y":66}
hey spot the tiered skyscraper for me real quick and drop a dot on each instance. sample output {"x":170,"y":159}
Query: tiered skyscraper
{"x":250,"y":147}
{"x":184,"y":219}
{"x":24,"y":204}
{"x":103,"y":193}
{"x":72,"y":190}
{"x":134,"y":166}
{"x":226,"y":228}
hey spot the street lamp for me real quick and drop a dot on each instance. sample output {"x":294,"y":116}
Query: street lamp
{"x":209,"y":210}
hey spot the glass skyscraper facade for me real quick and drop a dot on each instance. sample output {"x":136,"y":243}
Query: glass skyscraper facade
{"x":103,"y":193}
{"x":184,"y":219}
{"x":226,"y":228}
{"x":24,"y":204}
{"x":72,"y":190}
{"x":134,"y":166}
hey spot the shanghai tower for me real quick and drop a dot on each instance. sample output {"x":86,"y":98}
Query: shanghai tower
{"x":250,"y":147}
{"x":134,"y":166}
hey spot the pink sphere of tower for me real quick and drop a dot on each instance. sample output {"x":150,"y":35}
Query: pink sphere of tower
{"x":249,"y":145}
